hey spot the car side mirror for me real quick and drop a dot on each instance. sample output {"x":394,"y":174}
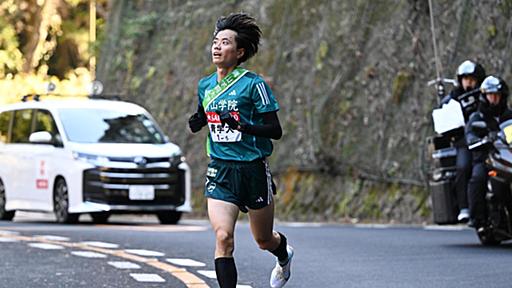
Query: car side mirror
{"x":41,"y":137}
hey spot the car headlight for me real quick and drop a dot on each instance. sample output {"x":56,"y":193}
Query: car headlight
{"x":177,"y":159}
{"x":91,"y":158}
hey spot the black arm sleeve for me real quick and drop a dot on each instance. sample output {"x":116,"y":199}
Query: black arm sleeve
{"x":270,"y":129}
{"x":200,"y":111}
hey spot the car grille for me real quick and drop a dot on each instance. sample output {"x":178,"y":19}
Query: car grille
{"x":110,"y":185}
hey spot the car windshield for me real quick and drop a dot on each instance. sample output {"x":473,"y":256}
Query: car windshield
{"x":109,"y":126}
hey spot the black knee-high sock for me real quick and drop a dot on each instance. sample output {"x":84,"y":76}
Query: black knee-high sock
{"x":280,"y":252}
{"x":226,"y":272}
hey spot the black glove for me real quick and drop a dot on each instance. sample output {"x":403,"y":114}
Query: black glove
{"x":197,"y":121}
{"x":227,"y":118}
{"x":493,"y":135}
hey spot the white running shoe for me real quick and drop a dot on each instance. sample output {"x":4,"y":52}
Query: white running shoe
{"x":281,"y":274}
{"x":463,"y":215}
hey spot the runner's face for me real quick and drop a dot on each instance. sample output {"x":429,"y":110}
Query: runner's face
{"x":224,"y":51}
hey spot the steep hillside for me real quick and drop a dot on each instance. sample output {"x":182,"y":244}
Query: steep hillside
{"x":350,"y":77}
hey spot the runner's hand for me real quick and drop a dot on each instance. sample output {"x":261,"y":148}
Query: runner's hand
{"x":196,"y":122}
{"x":227,"y":118}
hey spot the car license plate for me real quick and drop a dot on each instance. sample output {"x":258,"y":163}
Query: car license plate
{"x":141,"y":192}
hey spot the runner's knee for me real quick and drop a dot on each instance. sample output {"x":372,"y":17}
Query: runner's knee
{"x":265,"y":243}
{"x":224,"y":239}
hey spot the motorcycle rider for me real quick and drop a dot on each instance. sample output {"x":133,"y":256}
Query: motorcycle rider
{"x":492,"y":110}
{"x":469,"y":77}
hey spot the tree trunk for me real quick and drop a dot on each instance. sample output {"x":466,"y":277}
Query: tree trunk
{"x":37,"y":32}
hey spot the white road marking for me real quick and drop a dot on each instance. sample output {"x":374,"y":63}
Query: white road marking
{"x":6,"y":232}
{"x":124,"y":265}
{"x":208,"y":273}
{"x":156,"y":228}
{"x":45,"y":246}
{"x":211,"y":274}
{"x":52,"y":237}
{"x":189,"y":279}
{"x":101,"y":244}
{"x":301,"y":224}
{"x":6,"y":240}
{"x":142,"y":252}
{"x":88,"y":254}
{"x":373,"y":226}
{"x":143,"y":277}
{"x":446,"y":228}
{"x":185,"y":262}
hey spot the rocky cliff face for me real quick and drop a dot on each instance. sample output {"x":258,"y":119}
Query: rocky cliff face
{"x":350,"y":77}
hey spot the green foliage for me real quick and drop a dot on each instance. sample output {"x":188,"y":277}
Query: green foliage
{"x":135,"y":83}
{"x":11,"y":58}
{"x":492,"y":30}
{"x":321,"y":53}
{"x":370,"y":208}
{"x":151,"y":72}
{"x":139,"y":26}
{"x":505,"y":7}
{"x":400,"y":84}
{"x":28,"y":56}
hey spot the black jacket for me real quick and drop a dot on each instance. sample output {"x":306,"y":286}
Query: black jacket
{"x":492,"y":121}
{"x":468,"y":100}
{"x":469,"y":104}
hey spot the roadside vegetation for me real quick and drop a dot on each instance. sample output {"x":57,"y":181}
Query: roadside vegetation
{"x":47,"y":41}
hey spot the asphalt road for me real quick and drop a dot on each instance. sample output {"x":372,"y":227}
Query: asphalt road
{"x":138,"y":252}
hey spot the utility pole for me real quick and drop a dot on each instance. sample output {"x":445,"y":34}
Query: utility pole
{"x":92,"y":38}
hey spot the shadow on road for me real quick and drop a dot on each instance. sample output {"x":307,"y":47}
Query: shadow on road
{"x":507,"y":246}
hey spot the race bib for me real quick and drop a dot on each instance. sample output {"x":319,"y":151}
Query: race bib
{"x":220,"y":133}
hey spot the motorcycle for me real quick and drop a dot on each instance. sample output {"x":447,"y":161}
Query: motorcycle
{"x":498,"y":226}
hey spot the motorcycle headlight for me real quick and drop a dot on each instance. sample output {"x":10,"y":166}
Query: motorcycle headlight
{"x":437,"y":175}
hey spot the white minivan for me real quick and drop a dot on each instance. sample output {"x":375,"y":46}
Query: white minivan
{"x":89,"y":156}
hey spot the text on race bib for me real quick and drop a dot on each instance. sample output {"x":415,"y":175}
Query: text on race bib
{"x":222,"y":133}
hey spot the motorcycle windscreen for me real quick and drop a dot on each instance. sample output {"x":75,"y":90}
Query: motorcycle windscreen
{"x":506,"y":130}
{"x":448,"y":117}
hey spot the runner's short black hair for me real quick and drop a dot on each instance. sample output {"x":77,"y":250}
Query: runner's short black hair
{"x":248,"y":33}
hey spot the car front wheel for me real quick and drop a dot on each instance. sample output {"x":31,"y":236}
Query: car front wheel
{"x":61,"y":203}
{"x":169,"y":217}
{"x":100,"y":217}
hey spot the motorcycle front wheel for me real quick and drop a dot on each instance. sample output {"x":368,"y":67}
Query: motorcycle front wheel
{"x":487,"y":238}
